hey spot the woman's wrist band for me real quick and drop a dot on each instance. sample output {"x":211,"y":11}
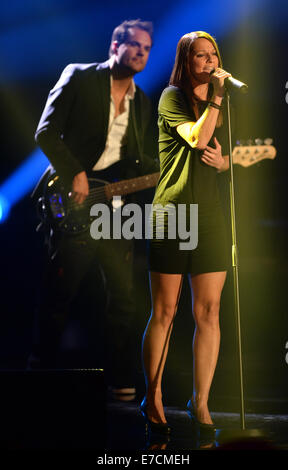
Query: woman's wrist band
{"x":214,"y":105}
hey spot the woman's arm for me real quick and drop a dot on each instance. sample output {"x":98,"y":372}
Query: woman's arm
{"x":199,"y":133}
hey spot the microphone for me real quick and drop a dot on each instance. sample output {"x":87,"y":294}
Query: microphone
{"x":232,"y":84}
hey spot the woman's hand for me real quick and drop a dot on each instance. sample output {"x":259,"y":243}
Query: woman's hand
{"x":213,"y":156}
{"x":217,"y":79}
{"x":80,"y":187}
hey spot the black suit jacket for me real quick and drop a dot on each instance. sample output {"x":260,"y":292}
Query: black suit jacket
{"x":73,"y":128}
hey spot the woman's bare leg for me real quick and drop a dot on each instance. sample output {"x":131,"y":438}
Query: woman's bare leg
{"x":206,"y":293}
{"x":165,"y":293}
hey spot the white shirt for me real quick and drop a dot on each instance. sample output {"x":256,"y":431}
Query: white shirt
{"x":117,"y":128}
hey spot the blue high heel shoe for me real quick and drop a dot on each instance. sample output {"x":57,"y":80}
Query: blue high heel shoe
{"x":150,"y":427}
{"x":203,"y":428}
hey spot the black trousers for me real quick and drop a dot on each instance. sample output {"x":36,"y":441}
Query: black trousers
{"x":76,"y":256}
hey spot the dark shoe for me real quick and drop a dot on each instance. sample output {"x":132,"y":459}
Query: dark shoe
{"x":203,"y":428}
{"x":150,"y":426}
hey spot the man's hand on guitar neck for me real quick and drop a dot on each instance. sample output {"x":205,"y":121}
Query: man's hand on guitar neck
{"x":80,"y":187}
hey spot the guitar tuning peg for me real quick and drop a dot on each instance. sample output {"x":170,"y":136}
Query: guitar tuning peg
{"x":268,"y":141}
{"x":258,"y":141}
{"x":250,"y":142}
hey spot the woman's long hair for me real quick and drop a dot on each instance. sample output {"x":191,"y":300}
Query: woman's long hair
{"x":180,"y":75}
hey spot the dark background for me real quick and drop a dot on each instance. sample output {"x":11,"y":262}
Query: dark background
{"x":37,"y":41}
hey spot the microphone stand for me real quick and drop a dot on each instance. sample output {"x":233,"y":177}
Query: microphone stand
{"x":228,"y":435}
{"x":235,"y":265}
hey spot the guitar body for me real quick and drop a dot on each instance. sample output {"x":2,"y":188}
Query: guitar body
{"x":63,"y":213}
{"x":59,"y":210}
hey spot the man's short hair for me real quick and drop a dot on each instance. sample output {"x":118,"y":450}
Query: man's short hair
{"x":121,"y":32}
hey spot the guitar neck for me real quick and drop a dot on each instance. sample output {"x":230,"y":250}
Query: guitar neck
{"x":245,"y":156}
{"x":131,"y":185}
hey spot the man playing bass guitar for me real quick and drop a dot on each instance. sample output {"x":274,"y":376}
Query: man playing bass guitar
{"x":95,"y":118}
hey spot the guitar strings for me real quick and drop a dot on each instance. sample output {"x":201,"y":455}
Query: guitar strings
{"x":100,"y":194}
{"x":92,"y":196}
{"x":95,"y":195}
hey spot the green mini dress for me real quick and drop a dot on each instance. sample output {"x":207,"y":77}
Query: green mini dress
{"x":185,"y":180}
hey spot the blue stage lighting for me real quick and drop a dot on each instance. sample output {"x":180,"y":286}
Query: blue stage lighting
{"x":4,"y":209}
{"x":217,"y":18}
{"x":21,"y":182}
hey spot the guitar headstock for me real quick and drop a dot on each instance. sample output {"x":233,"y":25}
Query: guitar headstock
{"x":250,"y":152}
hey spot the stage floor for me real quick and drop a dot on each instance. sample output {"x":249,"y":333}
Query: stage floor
{"x":126,"y":430}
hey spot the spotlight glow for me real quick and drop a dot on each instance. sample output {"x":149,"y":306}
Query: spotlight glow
{"x":21,"y":182}
{"x":4,"y":209}
{"x":176,"y":21}
{"x":217,"y":18}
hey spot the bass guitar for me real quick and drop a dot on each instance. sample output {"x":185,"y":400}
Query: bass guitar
{"x":58,"y":209}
